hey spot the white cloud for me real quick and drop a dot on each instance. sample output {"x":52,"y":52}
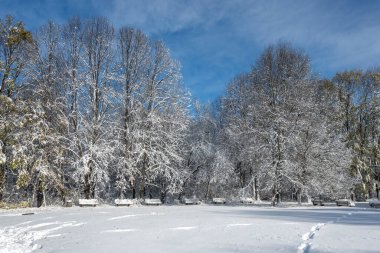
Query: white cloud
{"x":164,"y":16}
{"x":216,"y":39}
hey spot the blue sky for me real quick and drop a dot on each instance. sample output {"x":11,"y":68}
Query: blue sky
{"x":215,"y":40}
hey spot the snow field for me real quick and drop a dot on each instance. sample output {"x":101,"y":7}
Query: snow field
{"x":21,"y":238}
{"x":191,"y":229}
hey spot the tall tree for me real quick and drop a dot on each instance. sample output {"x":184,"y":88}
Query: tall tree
{"x":163,"y":121}
{"x":17,"y":51}
{"x":98,"y":70}
{"x":359,"y":115}
{"x":134,"y":47}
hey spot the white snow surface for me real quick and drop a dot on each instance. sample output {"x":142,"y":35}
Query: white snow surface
{"x":204,"y":228}
{"x":21,"y":238}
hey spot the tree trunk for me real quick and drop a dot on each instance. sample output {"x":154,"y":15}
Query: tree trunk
{"x":31,"y":201}
{"x":40,"y":197}
{"x":121,"y":194}
{"x":4,"y":79}
{"x":180,"y":195}
{"x":89,"y":182}
{"x":276,"y":196}
{"x":299,"y":196}
{"x":87,"y":186}
{"x":39,"y":191}
{"x":93,"y":186}
{"x":256,"y":189}
{"x":308,"y":197}
{"x":274,"y":199}
{"x":163,"y":196}
{"x":44,"y":198}
{"x":143,"y":178}
{"x":2,"y":181}
{"x":207,"y":189}
{"x":142,"y":189}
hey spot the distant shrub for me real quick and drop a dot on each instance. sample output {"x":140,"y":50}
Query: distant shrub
{"x":22,"y":204}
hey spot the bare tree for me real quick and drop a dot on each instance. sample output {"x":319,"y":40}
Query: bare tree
{"x":134,"y":47}
{"x":98,"y":53}
{"x":163,"y":120}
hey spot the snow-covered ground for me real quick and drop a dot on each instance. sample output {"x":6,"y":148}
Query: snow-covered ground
{"x":203,"y":228}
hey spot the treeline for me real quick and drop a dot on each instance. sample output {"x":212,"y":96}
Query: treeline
{"x":90,"y":111}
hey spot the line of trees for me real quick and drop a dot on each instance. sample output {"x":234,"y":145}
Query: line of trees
{"x":90,"y":111}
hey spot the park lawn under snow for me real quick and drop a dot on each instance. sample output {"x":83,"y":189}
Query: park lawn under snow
{"x":202,"y":228}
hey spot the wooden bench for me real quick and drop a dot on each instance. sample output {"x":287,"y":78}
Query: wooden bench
{"x":246,"y":200}
{"x":123,"y":202}
{"x":193,"y":201}
{"x":374,"y":203}
{"x":219,"y":200}
{"x":317,"y":201}
{"x":68,"y":203}
{"x":344,"y":202}
{"x":152,"y":202}
{"x":88,"y":202}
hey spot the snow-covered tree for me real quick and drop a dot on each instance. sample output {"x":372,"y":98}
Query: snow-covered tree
{"x":281,"y":140}
{"x":85,"y":111}
{"x":358,"y":94}
{"x":134,"y":47}
{"x":162,"y":122}
{"x":98,"y":71}
{"x":17,"y":51}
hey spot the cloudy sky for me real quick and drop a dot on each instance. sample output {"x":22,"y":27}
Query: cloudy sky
{"x":217,"y":39}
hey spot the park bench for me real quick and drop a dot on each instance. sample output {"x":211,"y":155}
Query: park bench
{"x":374,"y":203}
{"x":123,"y":202}
{"x":68,"y":203}
{"x":152,"y":202}
{"x":344,"y":202}
{"x":88,"y":202}
{"x":193,"y":201}
{"x":318,"y":201}
{"x":219,"y":200}
{"x":246,"y":200}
